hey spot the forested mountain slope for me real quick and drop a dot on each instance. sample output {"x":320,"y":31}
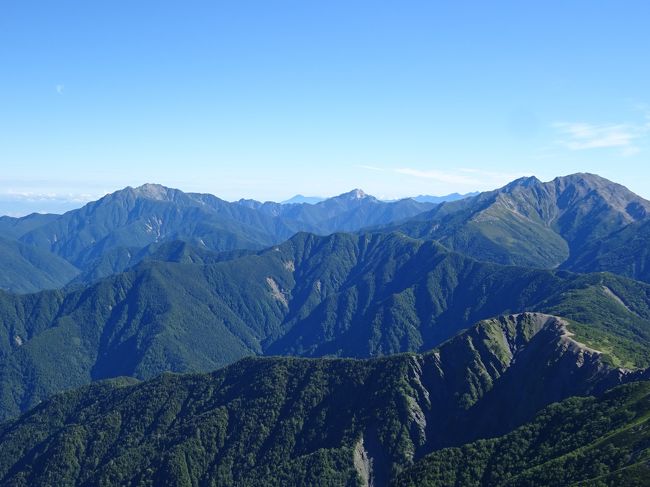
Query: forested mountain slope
{"x":288,"y":421}
{"x":342,"y":295}
{"x":25,"y":269}
{"x":626,"y":252}
{"x":580,"y":222}
{"x":109,"y":235}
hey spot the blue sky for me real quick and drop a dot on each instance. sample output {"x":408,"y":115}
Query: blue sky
{"x":268,"y":99}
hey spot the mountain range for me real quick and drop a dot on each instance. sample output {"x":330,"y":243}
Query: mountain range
{"x":343,"y":295}
{"x":423,"y":198}
{"x":109,"y":235}
{"x":156,"y":337}
{"x":578,"y":222}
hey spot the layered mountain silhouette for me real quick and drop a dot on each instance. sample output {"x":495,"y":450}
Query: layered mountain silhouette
{"x":341,"y":295}
{"x":576,"y":222}
{"x":111,"y":234}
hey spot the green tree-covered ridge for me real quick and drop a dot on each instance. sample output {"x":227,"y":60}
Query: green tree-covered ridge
{"x":290,"y":421}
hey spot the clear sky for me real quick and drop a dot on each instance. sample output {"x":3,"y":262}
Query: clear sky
{"x":272,"y":98}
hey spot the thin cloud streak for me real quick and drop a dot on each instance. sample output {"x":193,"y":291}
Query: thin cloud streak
{"x":30,"y":196}
{"x":20,"y":203}
{"x":467,"y":177}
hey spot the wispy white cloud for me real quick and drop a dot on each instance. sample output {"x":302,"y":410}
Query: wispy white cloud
{"x":23,"y":202}
{"x":33,"y":197}
{"x":467,"y":177}
{"x":59,"y":89}
{"x":583,"y":136}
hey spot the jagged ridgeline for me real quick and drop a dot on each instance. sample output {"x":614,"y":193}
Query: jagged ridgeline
{"x":580,"y":222}
{"x":289,"y":421}
{"x":342,"y":295}
{"x":117,"y":231}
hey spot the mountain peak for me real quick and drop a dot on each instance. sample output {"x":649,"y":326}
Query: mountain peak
{"x":585,"y":179}
{"x":355,"y":194}
{"x":152,"y":191}
{"x":301,"y":199}
{"x":524,"y":182}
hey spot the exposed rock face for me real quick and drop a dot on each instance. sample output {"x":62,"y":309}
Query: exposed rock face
{"x":363,"y":464}
{"x":276,"y":292}
{"x":153,"y":191}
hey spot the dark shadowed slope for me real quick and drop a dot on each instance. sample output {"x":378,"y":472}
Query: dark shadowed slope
{"x":581,"y":441}
{"x":626,"y":252}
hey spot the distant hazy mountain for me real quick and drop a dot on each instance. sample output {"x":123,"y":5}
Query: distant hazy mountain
{"x":423,"y":198}
{"x":25,"y":268}
{"x":134,"y":218}
{"x":299,"y":199}
{"x":343,"y":213}
{"x":16,"y":227}
{"x":282,"y":421}
{"x":532,"y":223}
{"x":343,"y":295}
